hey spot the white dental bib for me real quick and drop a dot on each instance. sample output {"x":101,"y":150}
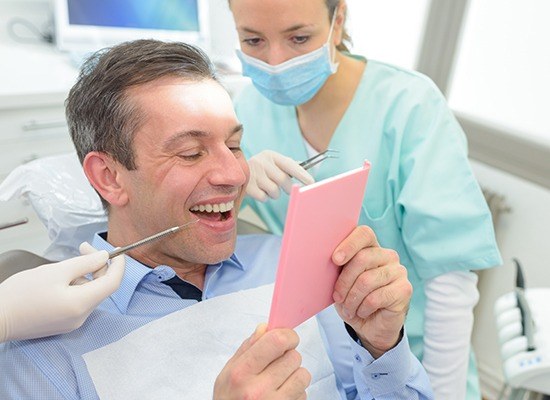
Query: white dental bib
{"x":180,"y":355}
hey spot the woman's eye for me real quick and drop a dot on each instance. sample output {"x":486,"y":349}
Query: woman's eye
{"x":300,"y":39}
{"x":252,"y":41}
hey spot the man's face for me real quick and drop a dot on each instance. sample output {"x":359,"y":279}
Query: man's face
{"x":189,"y":166}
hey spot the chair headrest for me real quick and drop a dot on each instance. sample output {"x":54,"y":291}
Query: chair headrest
{"x":63,"y":199}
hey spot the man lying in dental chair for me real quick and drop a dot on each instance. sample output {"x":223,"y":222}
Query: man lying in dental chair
{"x":157,"y":136}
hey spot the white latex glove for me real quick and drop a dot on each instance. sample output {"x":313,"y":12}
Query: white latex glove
{"x":57,"y":298}
{"x":450,"y":301}
{"x":270,"y":171}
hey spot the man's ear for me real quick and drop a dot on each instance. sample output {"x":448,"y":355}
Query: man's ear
{"x":104,"y":175}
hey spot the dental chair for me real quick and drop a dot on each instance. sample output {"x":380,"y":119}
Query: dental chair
{"x":523,"y":325}
{"x":14,"y":261}
{"x":67,"y":205}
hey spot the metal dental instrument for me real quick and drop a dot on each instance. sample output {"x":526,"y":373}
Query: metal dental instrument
{"x":322,"y":156}
{"x":121,"y":250}
{"x":20,"y":221}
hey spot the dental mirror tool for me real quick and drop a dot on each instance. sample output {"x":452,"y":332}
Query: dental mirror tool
{"x":121,"y":250}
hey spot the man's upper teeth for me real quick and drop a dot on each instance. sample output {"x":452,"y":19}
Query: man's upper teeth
{"x":221,"y":207}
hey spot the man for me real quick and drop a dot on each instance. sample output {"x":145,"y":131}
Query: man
{"x":159,"y":141}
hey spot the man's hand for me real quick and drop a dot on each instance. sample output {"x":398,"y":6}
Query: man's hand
{"x":266,"y":366}
{"x":372,"y":293}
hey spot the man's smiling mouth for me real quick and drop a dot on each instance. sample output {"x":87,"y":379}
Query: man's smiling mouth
{"x":213,"y":212}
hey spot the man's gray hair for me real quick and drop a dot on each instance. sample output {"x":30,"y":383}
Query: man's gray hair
{"x":100,"y":115}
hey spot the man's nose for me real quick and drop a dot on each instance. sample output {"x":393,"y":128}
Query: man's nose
{"x":229,"y":169}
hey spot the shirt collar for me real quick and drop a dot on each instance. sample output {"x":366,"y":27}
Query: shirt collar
{"x":135,"y":272}
{"x":233,"y":261}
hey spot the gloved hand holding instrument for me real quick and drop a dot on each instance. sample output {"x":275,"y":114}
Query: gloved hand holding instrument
{"x":270,"y":171}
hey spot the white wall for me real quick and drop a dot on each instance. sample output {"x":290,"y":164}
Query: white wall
{"x":36,"y":12}
{"x":524,"y":233}
{"x":223,"y":37}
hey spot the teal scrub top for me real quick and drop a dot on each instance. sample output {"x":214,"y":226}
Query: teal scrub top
{"x":422,"y":199}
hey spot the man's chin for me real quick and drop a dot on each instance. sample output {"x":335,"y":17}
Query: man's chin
{"x":206,"y":247}
{"x":216,"y":255}
{"x":214,"y":261}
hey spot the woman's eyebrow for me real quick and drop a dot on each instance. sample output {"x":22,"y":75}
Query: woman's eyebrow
{"x":297,"y":27}
{"x":287,"y":30}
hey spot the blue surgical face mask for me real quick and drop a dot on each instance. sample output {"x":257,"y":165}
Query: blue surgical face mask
{"x":294,"y":81}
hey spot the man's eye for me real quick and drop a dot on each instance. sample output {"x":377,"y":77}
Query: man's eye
{"x":190,"y":157}
{"x":235,"y":149}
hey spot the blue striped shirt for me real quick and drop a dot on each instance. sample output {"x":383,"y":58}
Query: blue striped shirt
{"x":53,"y":368}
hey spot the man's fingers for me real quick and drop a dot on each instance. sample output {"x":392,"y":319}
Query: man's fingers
{"x":360,"y":238}
{"x":247,"y":343}
{"x":382,"y":298}
{"x":282,"y":368}
{"x":296,"y":385}
{"x":266,"y":365}
{"x":366,"y":259}
{"x":261,"y":329}
{"x":366,"y":283}
{"x":269,"y":347}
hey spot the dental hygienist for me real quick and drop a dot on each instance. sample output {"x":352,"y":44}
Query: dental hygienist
{"x":57,"y":298}
{"x":422,"y":200}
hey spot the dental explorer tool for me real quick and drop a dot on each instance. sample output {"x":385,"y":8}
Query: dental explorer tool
{"x":121,"y":250}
